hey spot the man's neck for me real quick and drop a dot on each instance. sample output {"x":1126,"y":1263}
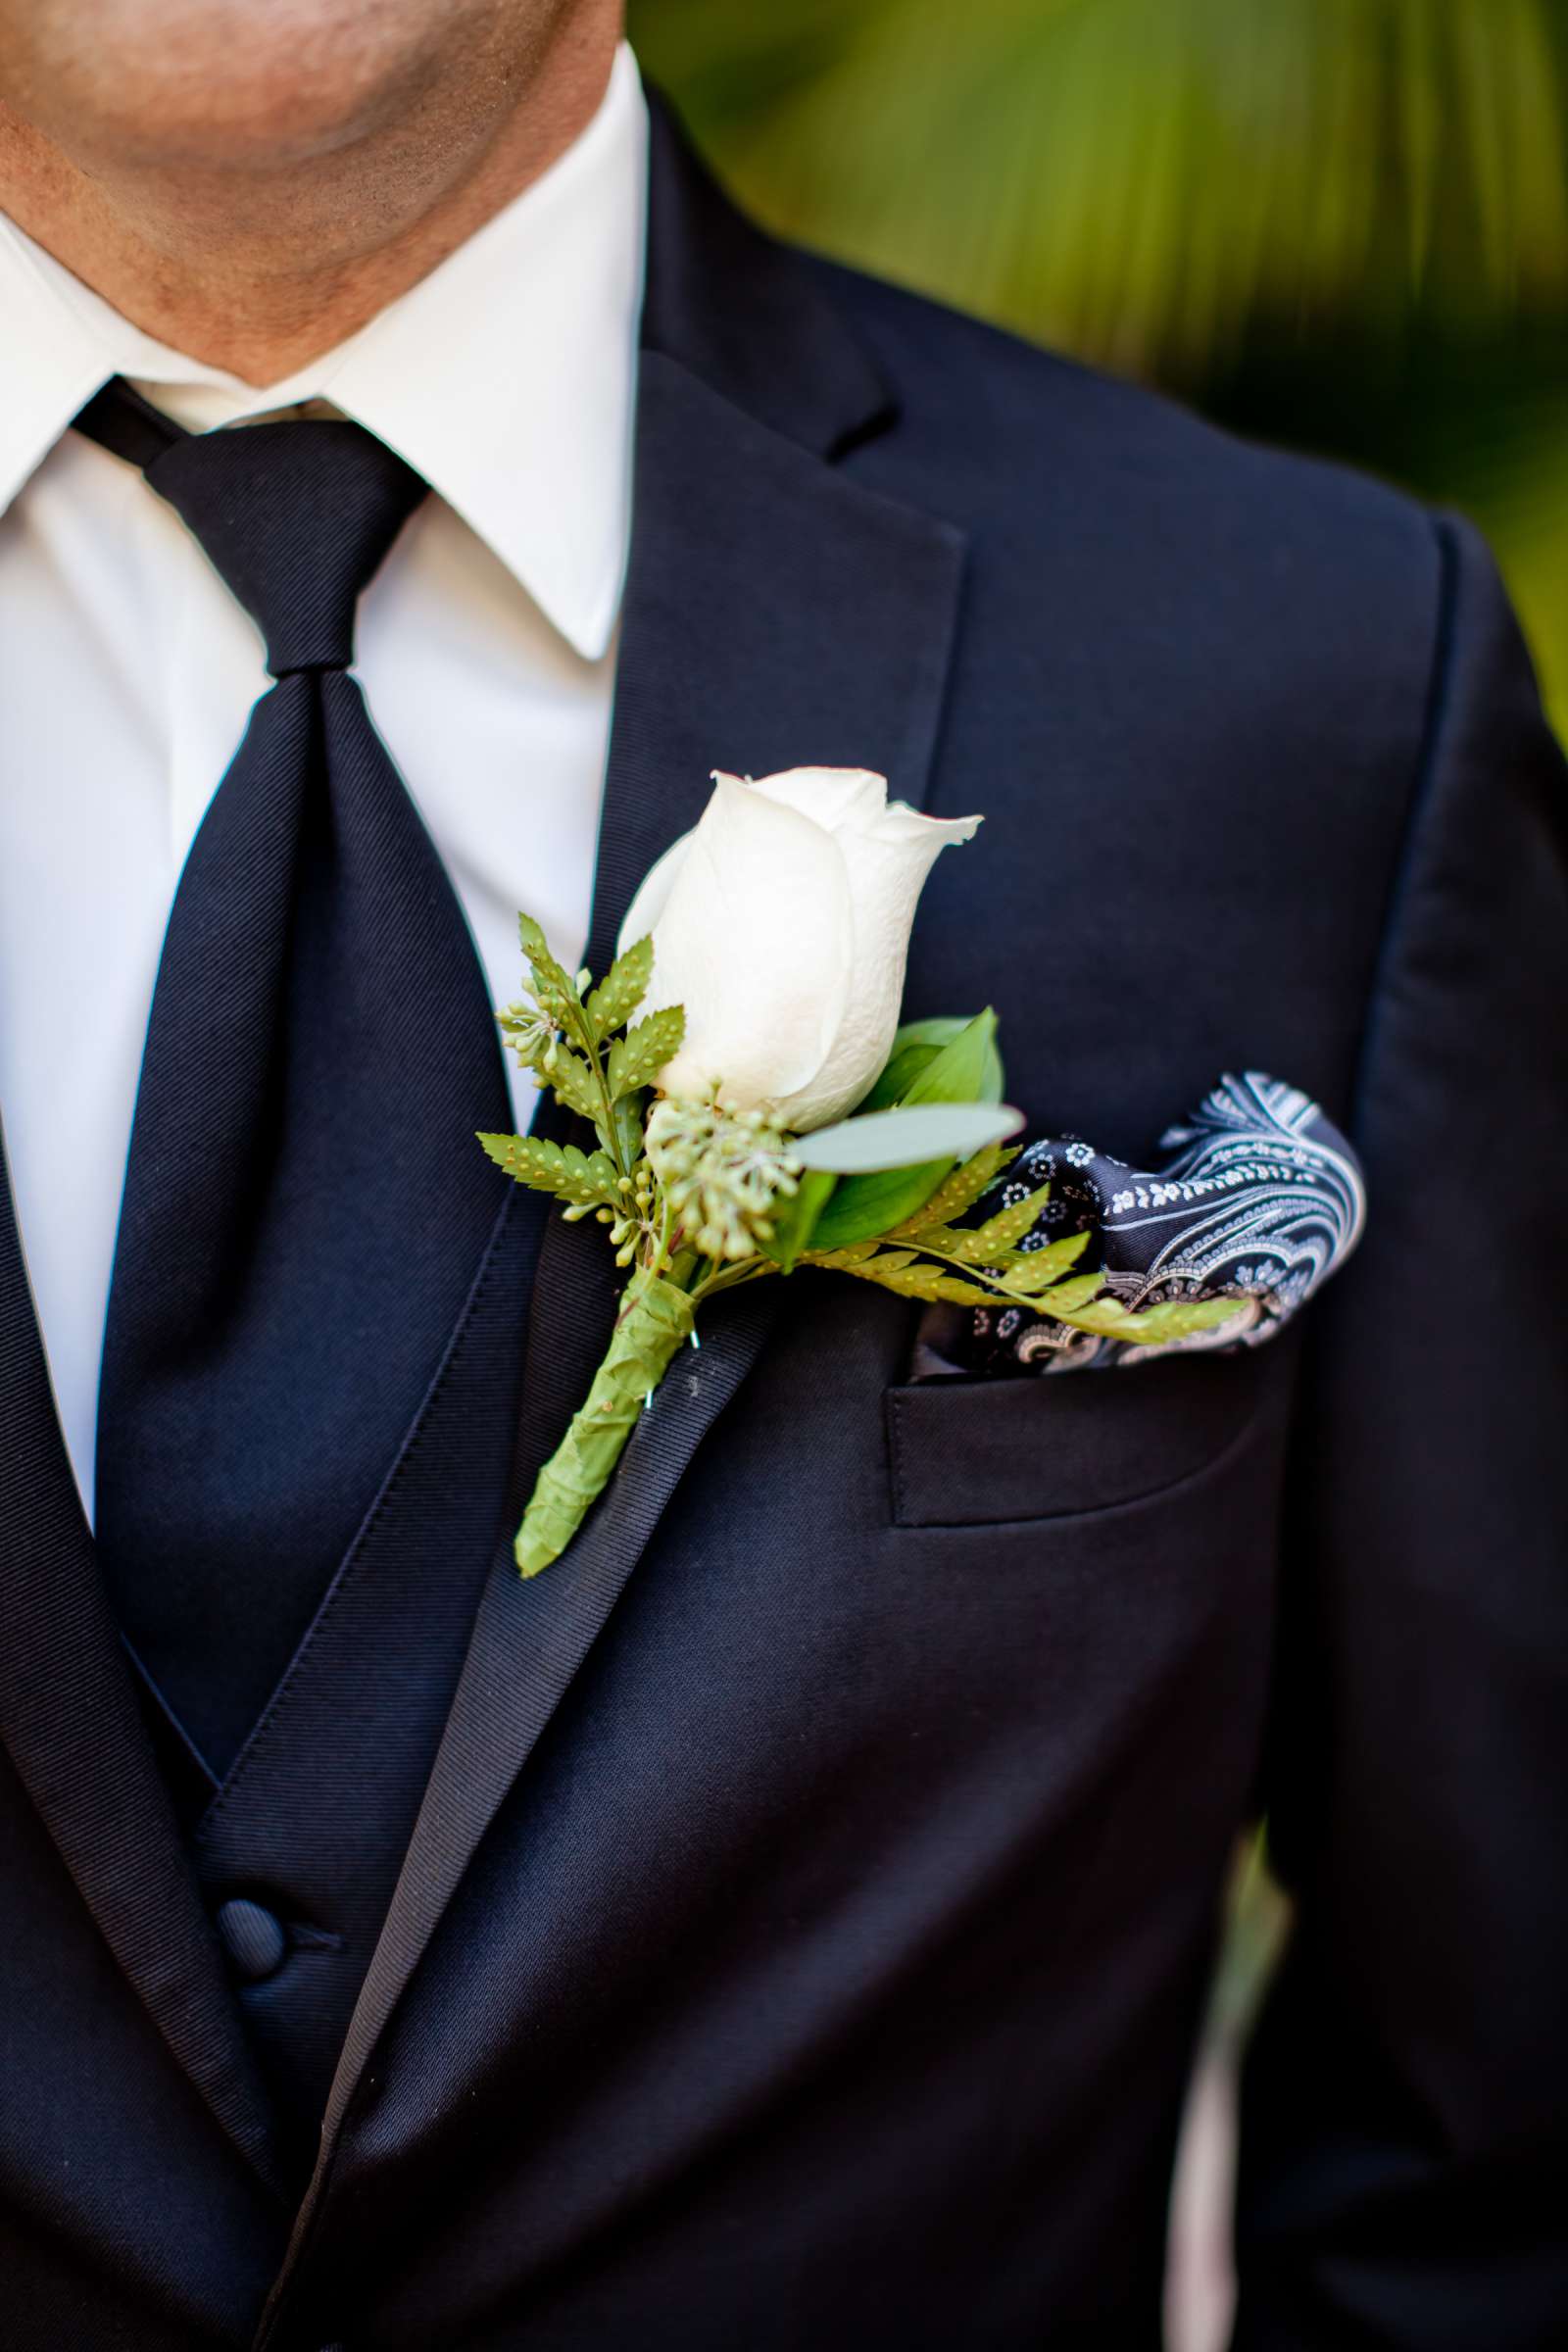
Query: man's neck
{"x":257,"y":272}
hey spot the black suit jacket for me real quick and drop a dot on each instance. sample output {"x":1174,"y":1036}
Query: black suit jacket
{"x":802,"y":1938}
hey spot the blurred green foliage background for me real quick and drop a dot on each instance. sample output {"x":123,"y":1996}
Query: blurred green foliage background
{"x":1337,"y":224}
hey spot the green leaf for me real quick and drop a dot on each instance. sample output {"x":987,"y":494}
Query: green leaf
{"x":1008,"y":1228}
{"x":967,"y":1068}
{"x":534,"y":943}
{"x":1025,"y":1272}
{"x":1149,"y":1326}
{"x":1031,"y":1271}
{"x":1180,"y":1319}
{"x":959,"y":1061}
{"x":866,"y":1207}
{"x":1067,"y":1297}
{"x":575,"y":1086}
{"x":916,"y":1047}
{"x":621,"y":990}
{"x":961,"y":1070}
{"x":910,"y":1277}
{"x":987,"y":1245}
{"x":582,"y":1179}
{"x":629,"y":1126}
{"x":961,"y":1190}
{"x":845,"y":1261}
{"x":879,"y":1141}
{"x":795,"y":1219}
{"x":554,"y":987}
{"x":904,"y":1065}
{"x":636,"y":1059}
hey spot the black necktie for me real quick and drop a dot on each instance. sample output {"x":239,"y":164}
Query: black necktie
{"x":305,"y":1205}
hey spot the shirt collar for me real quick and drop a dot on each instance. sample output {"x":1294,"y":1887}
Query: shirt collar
{"x":506,"y":377}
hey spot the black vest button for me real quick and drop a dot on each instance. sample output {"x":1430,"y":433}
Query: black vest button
{"x":252,"y":1938}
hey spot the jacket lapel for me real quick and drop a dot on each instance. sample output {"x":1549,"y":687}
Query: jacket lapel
{"x":72,"y":1723}
{"x":776,"y":614}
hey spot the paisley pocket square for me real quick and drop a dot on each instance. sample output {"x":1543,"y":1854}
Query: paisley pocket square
{"x":1260,"y":1200}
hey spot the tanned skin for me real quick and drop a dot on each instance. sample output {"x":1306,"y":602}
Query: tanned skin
{"x":251,"y":180}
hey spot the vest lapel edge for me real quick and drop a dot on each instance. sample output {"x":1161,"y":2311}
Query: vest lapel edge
{"x":64,"y":1677}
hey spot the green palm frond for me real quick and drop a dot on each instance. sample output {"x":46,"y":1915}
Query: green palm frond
{"x":1138,"y":179}
{"x":1343,"y":222}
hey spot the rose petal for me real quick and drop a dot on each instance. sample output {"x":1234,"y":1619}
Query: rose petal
{"x":833,"y":797}
{"x":887,"y":864}
{"x":652,"y":894}
{"x":898,"y":821}
{"x":754,"y":939}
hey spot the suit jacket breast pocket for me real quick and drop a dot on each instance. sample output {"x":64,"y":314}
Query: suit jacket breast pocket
{"x":981,"y":1452}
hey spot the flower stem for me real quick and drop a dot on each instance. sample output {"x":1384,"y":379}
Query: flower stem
{"x":608,"y":1131}
{"x":726,"y":1277}
{"x":656,"y":1317}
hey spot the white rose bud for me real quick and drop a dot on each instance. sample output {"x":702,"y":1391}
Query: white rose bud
{"x":781,"y":922}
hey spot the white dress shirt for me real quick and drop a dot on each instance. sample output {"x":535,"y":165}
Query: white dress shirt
{"x":127,"y":671}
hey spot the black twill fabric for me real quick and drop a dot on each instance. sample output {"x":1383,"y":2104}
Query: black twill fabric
{"x":305,"y":1205}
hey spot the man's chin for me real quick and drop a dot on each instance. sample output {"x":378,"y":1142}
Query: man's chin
{"x":220,"y":85}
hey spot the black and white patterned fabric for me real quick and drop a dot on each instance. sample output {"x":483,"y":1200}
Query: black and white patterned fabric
{"x":1261,"y":1200}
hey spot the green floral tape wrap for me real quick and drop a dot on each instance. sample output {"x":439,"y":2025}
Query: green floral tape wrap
{"x":655,"y":1318}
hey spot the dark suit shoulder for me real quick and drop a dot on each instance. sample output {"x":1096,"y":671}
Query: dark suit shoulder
{"x":1022,"y":445}
{"x":1193,"y":685}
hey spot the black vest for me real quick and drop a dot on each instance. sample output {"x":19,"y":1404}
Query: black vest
{"x":297,"y":1851}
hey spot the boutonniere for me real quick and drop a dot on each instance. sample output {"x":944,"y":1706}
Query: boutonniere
{"x":757,"y":1108}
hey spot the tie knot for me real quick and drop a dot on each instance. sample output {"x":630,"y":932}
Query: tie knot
{"x":296,"y":516}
